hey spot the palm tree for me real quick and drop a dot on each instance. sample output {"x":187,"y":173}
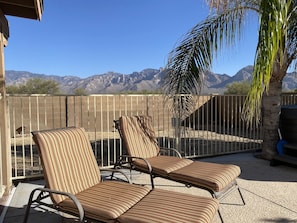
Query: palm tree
{"x":276,"y":52}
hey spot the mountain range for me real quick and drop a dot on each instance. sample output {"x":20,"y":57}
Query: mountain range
{"x":149,"y":80}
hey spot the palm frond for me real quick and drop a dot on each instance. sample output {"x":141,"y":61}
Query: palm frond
{"x":221,"y":5}
{"x":292,"y":35}
{"x":193,"y":56}
{"x":270,"y":49}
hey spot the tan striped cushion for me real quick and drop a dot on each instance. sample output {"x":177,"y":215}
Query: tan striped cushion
{"x":68,"y":160}
{"x":70,"y":166}
{"x":171,"y":207}
{"x":163,"y":165}
{"x":107,"y":200}
{"x":213,"y":176}
{"x":210,"y":175}
{"x":138,"y":136}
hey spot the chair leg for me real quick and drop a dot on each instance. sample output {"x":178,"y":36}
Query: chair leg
{"x":235,"y":186}
{"x":220,"y":215}
{"x":152,"y":181}
{"x":219,"y":212}
{"x":216,"y":197}
{"x":243,"y":201}
{"x":29,"y":206}
{"x":239,"y":191}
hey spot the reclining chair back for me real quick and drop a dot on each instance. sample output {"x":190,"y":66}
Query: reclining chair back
{"x":140,"y":140}
{"x":67,"y":149}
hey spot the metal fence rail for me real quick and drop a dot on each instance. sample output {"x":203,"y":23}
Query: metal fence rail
{"x":214,"y":128}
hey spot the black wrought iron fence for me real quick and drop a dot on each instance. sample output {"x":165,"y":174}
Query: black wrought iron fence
{"x":215,"y":127}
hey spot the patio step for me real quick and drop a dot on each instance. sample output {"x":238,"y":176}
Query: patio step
{"x":291,"y":146}
{"x":290,"y":149}
{"x":278,"y":159}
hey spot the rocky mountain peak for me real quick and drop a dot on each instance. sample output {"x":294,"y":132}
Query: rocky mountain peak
{"x":145,"y":80}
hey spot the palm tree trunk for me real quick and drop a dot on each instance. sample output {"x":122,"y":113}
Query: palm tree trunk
{"x":270,"y":113}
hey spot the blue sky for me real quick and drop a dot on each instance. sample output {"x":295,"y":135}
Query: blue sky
{"x":83,"y":38}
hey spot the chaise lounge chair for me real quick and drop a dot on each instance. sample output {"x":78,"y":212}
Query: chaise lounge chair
{"x":144,"y":155}
{"x":75,"y":186}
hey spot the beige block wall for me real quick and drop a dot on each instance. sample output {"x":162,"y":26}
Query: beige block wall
{"x":94,"y":113}
{"x":36,"y":113}
{"x":98,"y":112}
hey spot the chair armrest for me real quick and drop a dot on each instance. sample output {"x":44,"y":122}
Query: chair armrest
{"x":149,"y":167}
{"x":116,"y":171}
{"x":41,"y":196}
{"x":172,"y":149}
{"x":120,"y":162}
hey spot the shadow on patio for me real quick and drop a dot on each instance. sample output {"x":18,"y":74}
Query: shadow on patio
{"x":269,"y":192}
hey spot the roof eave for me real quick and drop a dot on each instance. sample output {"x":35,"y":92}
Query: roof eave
{"x":31,"y":9}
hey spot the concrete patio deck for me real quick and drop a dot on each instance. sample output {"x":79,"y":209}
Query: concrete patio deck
{"x":270,"y":194}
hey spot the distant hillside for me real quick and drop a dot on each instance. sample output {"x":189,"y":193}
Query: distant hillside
{"x":145,"y":80}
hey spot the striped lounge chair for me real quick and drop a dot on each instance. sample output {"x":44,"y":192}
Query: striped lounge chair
{"x":144,"y":154}
{"x":75,"y":186}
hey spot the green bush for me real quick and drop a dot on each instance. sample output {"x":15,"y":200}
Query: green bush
{"x":35,"y":86}
{"x":238,"y":88}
